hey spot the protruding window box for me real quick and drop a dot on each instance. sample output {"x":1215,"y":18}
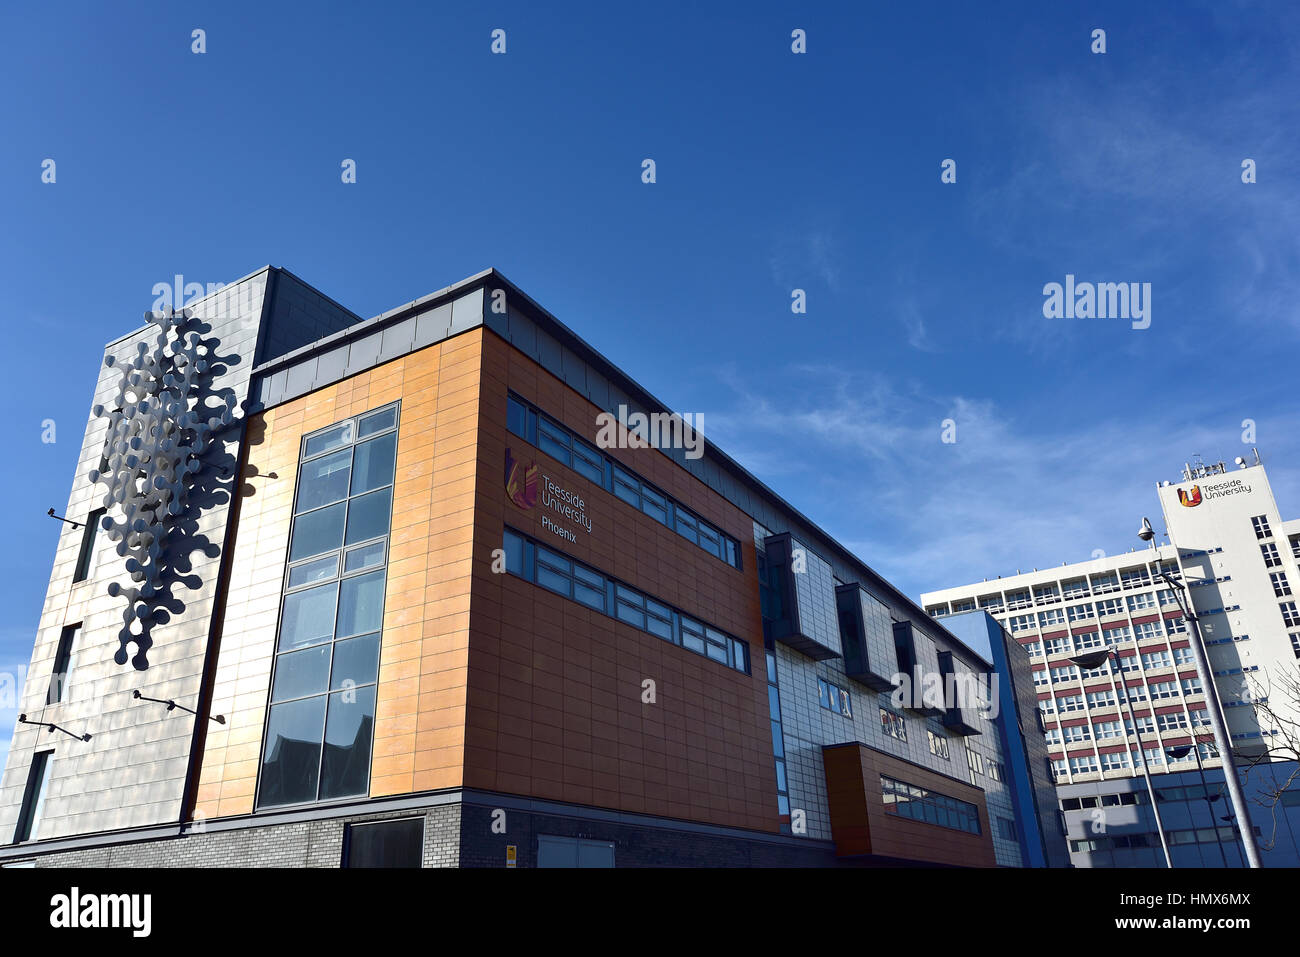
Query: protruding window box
{"x":918,"y":661}
{"x":867,"y":636}
{"x":963,"y":691}
{"x":809,"y":618}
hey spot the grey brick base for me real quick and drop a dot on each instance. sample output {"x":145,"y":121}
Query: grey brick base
{"x":455,"y":835}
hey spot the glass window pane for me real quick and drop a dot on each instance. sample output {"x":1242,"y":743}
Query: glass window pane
{"x":588,"y":577}
{"x":324,"y":480}
{"x":316,"y":532}
{"x":717,"y":653}
{"x":377,"y":422}
{"x":558,"y":562}
{"x":361,"y":604}
{"x":552,"y":441}
{"x":633,"y":616}
{"x":652,"y":503}
{"x":588,"y":463}
{"x":355,"y":660}
{"x":301,"y":673}
{"x":514,"y":548}
{"x":308,"y":616}
{"x":517,"y":418}
{"x":291,"y":761}
{"x":662,"y":627}
{"x":329,"y":440}
{"x":373,"y":465}
{"x":321,"y":569}
{"x":368,"y":516}
{"x":365,"y":556}
{"x":553,"y":580}
{"x":345,"y":768}
{"x":591,"y":597}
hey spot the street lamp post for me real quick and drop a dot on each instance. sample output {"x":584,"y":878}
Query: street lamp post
{"x":1093,"y":660}
{"x":1217,"y":725}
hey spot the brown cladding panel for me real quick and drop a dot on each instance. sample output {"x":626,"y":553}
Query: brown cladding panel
{"x":860,"y":825}
{"x":555,"y":707}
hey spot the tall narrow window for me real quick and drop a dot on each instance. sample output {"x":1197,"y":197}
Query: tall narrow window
{"x":89,"y":535}
{"x":38,"y":779}
{"x":320,"y":725}
{"x":64,"y":659}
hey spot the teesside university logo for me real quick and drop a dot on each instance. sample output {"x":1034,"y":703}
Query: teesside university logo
{"x":521,"y":481}
{"x":1190,"y":498}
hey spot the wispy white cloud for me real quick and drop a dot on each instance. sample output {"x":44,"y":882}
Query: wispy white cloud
{"x":864,"y":458}
{"x":803,"y":256}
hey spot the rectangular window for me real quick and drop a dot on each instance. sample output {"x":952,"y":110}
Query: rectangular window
{"x":1053,"y":616}
{"x":565,"y":446}
{"x":1142,"y":600}
{"x":921,"y":804}
{"x":938,"y":745}
{"x":1080,"y":612}
{"x":1086,"y":640}
{"x":1261,"y":526}
{"x":64,"y":659}
{"x":893,"y":725}
{"x":560,"y":574}
{"x":1281,"y":587}
{"x":1290,"y":617}
{"x":320,"y":723}
{"x":385,"y":844}
{"x":834,"y":698}
{"x":38,"y":780}
{"x":89,"y":538}
{"x":1271,"y":558}
{"x":1111,"y":606}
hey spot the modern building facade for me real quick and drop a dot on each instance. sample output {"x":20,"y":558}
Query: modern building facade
{"x":1237,"y":559}
{"x":401,"y":594}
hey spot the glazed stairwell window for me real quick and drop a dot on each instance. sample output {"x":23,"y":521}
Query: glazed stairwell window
{"x":320,"y":721}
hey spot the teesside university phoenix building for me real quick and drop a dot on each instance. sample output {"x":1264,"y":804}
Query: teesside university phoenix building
{"x":354,"y":593}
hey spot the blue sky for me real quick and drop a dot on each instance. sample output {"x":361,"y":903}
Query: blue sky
{"x":775,"y":171}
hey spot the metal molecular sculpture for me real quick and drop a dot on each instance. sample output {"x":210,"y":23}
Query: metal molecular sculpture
{"x":158,"y":434}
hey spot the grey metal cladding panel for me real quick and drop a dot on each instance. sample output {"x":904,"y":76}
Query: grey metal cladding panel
{"x":467,"y":312}
{"x":498,"y":322}
{"x":396,"y":340}
{"x":598,"y":389}
{"x":432,"y":326}
{"x":814,"y":590}
{"x":549,"y":354}
{"x":331,"y":366}
{"x":878,"y":629}
{"x":523,"y":333}
{"x":363,"y":354}
{"x":275,"y":387}
{"x":301,"y":380}
{"x":575,"y":371}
